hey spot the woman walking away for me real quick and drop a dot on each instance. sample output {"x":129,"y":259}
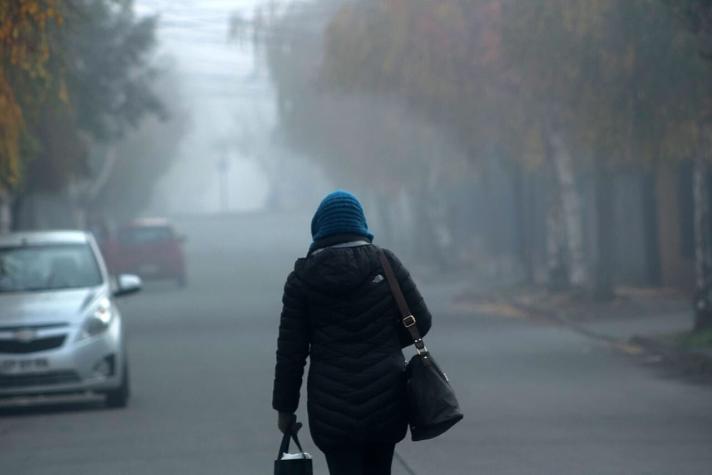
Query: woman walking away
{"x":338,"y":310}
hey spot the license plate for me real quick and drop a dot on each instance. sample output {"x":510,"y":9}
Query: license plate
{"x":33,"y":365}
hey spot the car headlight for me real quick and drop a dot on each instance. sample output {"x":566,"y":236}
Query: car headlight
{"x":98,"y":320}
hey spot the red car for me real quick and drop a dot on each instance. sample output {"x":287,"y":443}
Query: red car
{"x":150,"y":248}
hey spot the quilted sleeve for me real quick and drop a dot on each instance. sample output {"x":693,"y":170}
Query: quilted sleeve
{"x":292,"y":347}
{"x":415,"y":300}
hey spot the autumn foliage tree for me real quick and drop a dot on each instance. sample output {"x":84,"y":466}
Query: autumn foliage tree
{"x":696,"y":15}
{"x":76,"y":78}
{"x":25,"y":30}
{"x":452,"y":61}
{"x":573,"y":87}
{"x":564,"y":96}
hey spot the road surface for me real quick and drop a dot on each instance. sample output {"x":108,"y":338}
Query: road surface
{"x":538,"y":399}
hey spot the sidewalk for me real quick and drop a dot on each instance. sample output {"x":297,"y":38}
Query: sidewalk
{"x":651,"y":322}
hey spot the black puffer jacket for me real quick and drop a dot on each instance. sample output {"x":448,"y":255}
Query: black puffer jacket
{"x":339,"y":310}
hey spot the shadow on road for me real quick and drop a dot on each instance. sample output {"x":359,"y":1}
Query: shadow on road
{"x":45,"y":407}
{"x":673,"y":370}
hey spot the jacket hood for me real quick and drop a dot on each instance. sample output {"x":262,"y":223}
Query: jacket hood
{"x":338,"y":270}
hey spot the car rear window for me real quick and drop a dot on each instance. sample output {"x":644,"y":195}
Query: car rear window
{"x":145,"y":234}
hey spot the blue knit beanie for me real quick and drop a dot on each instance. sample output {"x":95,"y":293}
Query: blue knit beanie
{"x":340,"y":212}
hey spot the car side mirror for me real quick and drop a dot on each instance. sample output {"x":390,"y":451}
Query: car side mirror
{"x":127,"y":284}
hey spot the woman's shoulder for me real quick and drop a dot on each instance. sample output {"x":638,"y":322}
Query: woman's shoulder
{"x":293,"y":280}
{"x":394,"y":260}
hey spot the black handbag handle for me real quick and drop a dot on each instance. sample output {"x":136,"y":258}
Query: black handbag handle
{"x":291,"y":433}
{"x":407,"y":318}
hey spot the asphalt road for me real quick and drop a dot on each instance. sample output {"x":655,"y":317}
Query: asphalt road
{"x":538,"y":399}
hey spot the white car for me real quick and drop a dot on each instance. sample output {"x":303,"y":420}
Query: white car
{"x":60,"y":332}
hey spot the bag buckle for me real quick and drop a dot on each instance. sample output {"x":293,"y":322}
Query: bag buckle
{"x":409,"y":321}
{"x":420,"y":347}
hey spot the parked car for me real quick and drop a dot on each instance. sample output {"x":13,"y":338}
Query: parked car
{"x":152,"y":249}
{"x":60,"y":331}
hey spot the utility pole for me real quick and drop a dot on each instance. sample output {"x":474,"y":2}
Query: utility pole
{"x":223,"y":166}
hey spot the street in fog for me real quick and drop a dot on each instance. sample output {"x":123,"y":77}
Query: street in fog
{"x":542,"y":168}
{"x":537,"y":398}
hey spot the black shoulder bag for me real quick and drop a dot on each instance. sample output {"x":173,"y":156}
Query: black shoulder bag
{"x":432,"y":405}
{"x":294,"y":466}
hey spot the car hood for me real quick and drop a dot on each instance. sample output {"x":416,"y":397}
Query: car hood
{"x":60,"y":306}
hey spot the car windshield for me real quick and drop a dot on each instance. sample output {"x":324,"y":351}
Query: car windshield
{"x":48,"y":267}
{"x":145,"y":234}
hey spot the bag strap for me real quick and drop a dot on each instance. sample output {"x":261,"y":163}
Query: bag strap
{"x":290,"y":434}
{"x":407,"y":318}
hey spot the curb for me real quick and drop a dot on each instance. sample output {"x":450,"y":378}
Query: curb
{"x":691,"y":362}
{"x":557,"y":318}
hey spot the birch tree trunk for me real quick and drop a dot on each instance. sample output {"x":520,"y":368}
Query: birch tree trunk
{"x":703,"y":245}
{"x":97,"y":184}
{"x":571,"y":210}
{"x":83,"y":194}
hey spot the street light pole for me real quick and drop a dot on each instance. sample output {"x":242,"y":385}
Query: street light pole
{"x":223,"y":168}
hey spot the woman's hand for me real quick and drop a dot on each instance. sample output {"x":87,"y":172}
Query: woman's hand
{"x":286,"y":421}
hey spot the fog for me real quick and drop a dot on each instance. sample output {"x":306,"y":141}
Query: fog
{"x":487,"y":132}
{"x":542,"y":168}
{"x":228,"y":105}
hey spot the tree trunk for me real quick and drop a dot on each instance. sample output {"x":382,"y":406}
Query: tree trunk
{"x":650,"y":220}
{"x":84,"y":196}
{"x":556,"y":263}
{"x":15,"y":210}
{"x":5,"y":212}
{"x":492,"y":237}
{"x":522,"y":223}
{"x":571,"y":211}
{"x":604,"y":267}
{"x":703,"y":245}
{"x":428,"y":242}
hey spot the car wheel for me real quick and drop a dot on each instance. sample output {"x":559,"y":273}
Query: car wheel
{"x":119,"y":397}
